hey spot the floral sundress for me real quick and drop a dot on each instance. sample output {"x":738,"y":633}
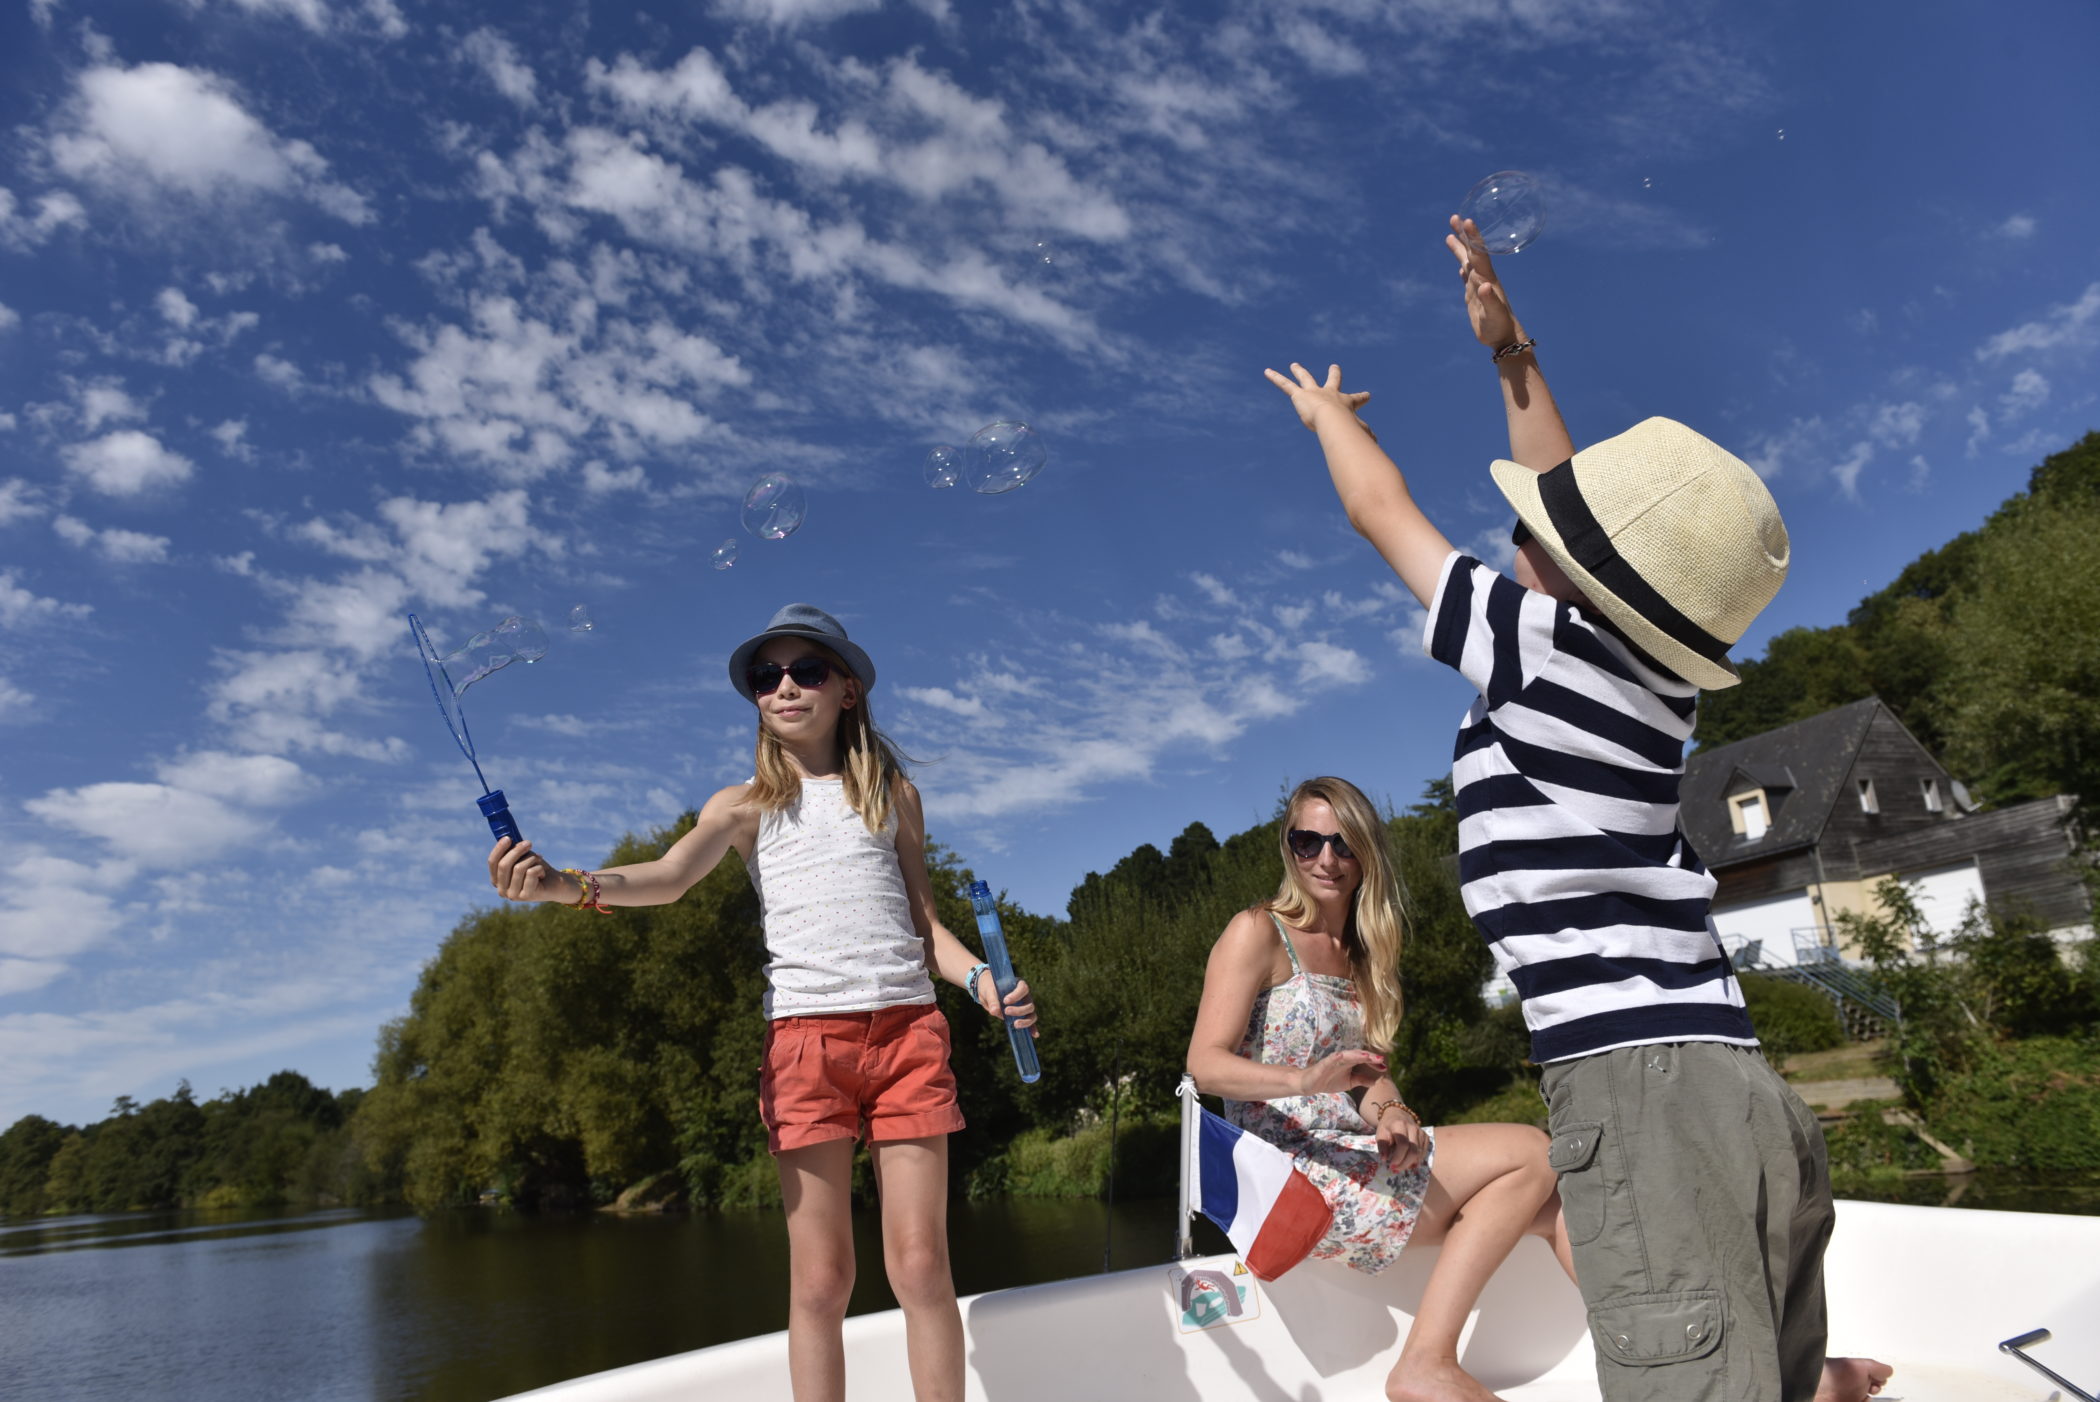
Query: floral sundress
{"x":1297,"y":1022}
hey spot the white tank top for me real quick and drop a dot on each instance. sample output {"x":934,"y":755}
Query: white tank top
{"x":838,"y":922}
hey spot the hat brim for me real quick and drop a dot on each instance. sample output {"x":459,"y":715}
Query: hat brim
{"x":856,"y":660}
{"x":1521,"y":485}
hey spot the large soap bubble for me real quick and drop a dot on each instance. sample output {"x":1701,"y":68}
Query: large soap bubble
{"x":774,"y":507}
{"x":1003,"y":456}
{"x":1509,"y":210}
{"x":944,"y":466}
{"x":513,"y":640}
{"x":725,"y":554}
{"x":580,"y":620}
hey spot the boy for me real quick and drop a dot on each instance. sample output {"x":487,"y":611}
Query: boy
{"x":1693,"y":1180}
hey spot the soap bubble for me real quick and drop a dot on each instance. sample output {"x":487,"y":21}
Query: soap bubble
{"x":1646,"y":183}
{"x":1782,"y":133}
{"x":1042,"y":254}
{"x":944,"y":466}
{"x":513,"y":640}
{"x":580,"y":619}
{"x":725,"y":554}
{"x":774,"y":507}
{"x":1004,"y":456}
{"x":1508,"y":209}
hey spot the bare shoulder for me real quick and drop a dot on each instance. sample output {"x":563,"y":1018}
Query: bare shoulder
{"x":904,"y":791}
{"x":732,"y":806}
{"x":1247,"y":940}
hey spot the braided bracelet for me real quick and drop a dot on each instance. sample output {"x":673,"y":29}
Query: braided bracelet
{"x":591,"y":897}
{"x":1513,"y":348}
{"x":1379,"y":1107}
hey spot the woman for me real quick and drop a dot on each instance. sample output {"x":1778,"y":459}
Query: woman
{"x":1301,"y":1001}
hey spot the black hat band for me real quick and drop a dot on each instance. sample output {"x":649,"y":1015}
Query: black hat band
{"x":1588,"y":544}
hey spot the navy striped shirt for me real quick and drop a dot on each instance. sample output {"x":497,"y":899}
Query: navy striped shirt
{"x":1569,"y":853}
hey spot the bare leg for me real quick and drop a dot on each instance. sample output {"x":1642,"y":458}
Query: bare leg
{"x":912,"y":1175}
{"x":1551,"y":1226}
{"x":1484,"y":1194}
{"x":816,"y":1187}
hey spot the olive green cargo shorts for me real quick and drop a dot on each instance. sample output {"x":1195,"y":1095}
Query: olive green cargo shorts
{"x":1697,"y":1196}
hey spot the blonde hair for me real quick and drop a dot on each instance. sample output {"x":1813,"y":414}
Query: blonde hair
{"x":1377,"y":916}
{"x":868,"y":763}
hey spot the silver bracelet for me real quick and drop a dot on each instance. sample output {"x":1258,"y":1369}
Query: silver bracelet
{"x":1514,"y":348}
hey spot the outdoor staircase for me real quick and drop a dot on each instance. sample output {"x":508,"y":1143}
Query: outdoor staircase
{"x":1863,"y":1006}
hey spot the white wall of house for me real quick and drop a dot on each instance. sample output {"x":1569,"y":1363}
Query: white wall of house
{"x":1772,"y":922}
{"x":1944,"y":894}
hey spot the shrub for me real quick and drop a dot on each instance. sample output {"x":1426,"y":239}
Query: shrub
{"x":1790,"y":1018}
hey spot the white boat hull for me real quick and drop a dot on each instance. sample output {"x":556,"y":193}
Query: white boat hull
{"x":1930,"y":1290}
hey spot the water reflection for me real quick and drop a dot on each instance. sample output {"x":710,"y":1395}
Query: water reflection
{"x":466,"y":1306}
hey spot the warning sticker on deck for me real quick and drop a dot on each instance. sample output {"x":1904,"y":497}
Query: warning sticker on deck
{"x":1207,"y":1296}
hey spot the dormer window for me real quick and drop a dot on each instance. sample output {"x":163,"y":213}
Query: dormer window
{"x":1868,"y":803}
{"x":1748,"y":815}
{"x":1932,"y":796}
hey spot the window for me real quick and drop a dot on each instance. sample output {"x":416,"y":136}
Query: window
{"x":1932,"y":795}
{"x":1750,"y":815}
{"x":1867,"y":802}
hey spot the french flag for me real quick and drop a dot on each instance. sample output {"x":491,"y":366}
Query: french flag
{"x":1271,"y":1212}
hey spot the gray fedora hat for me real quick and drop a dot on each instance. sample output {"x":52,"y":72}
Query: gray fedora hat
{"x":801,"y":621}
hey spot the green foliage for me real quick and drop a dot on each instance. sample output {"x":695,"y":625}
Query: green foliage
{"x":2033,"y":1105}
{"x":1789,"y":1018}
{"x":284,"y":1141}
{"x":1988,"y":648}
{"x":1865,"y":1145}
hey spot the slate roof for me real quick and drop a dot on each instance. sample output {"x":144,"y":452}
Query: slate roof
{"x":1801,"y":767}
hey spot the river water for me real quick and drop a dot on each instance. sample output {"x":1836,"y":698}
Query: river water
{"x":477,"y":1304}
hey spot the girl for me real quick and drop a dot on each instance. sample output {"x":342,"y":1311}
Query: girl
{"x":835,"y":841}
{"x":1301,"y":1001}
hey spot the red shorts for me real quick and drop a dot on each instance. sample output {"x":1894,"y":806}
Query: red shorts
{"x":823,"y":1077}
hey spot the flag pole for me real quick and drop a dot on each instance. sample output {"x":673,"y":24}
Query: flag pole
{"x":1184,"y":1243}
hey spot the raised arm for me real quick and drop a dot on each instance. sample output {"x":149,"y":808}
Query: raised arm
{"x":1243,"y":963}
{"x":1537,"y":437}
{"x":727,"y":820}
{"x":1371,"y":488}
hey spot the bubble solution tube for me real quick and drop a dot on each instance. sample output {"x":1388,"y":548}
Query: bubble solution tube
{"x":994,"y":936}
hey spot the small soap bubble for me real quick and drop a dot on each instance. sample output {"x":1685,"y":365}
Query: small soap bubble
{"x":1042,"y":254}
{"x":580,"y":620}
{"x":725,"y":554}
{"x":1646,"y":183}
{"x":944,"y":466}
{"x":1782,"y":133}
{"x":1003,"y":456}
{"x":774,"y":507}
{"x":1509,"y":210}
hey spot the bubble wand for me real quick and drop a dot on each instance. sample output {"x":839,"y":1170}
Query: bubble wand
{"x":994,"y":936}
{"x":512,"y":639}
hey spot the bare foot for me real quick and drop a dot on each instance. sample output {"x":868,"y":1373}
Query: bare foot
{"x":1851,"y":1379}
{"x":1434,"y":1380}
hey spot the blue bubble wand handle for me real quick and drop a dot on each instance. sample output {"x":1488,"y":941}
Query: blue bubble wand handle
{"x":1004,"y":978}
{"x":492,"y":804}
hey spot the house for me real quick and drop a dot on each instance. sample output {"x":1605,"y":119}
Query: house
{"x":1799,"y":824}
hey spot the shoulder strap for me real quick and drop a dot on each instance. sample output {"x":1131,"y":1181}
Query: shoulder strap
{"x":1288,"y":947}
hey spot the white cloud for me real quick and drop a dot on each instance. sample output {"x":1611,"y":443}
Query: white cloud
{"x":105,"y":401}
{"x":232,"y":438}
{"x":15,"y":703}
{"x":2071,"y":325}
{"x":254,"y":780}
{"x":786,"y":14}
{"x":57,"y":908}
{"x":498,"y":60}
{"x":273,"y":370}
{"x":9,"y":317}
{"x":19,"y":608}
{"x":152,"y":825}
{"x":1979,"y":420}
{"x":1847,"y":469}
{"x":2028,"y":392}
{"x":175,"y":309}
{"x":55,"y":210}
{"x":126,"y":463}
{"x":1897,"y":425}
{"x":185,"y":131}
{"x":18,"y":501}
{"x":2017,"y":226}
{"x":312,"y":15}
{"x":117,"y":546}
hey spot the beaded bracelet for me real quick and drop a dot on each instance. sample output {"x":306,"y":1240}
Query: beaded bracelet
{"x":970,"y":978}
{"x":1379,"y":1107}
{"x":591,"y":897}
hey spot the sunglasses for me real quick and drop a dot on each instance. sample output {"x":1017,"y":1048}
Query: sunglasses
{"x":1305,"y":845}
{"x":809,"y":673}
{"x":1519,"y":535}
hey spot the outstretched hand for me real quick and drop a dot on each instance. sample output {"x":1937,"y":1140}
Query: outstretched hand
{"x":1311,"y":398}
{"x":1487,"y":307}
{"x":520,"y":874}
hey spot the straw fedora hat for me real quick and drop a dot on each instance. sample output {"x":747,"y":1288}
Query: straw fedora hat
{"x":1670,"y":535}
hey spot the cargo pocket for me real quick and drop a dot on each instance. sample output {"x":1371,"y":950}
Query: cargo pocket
{"x":1574,"y":1158}
{"x":1643,"y":1331}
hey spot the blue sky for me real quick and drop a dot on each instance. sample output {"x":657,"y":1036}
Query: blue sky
{"x":315,"y":311}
